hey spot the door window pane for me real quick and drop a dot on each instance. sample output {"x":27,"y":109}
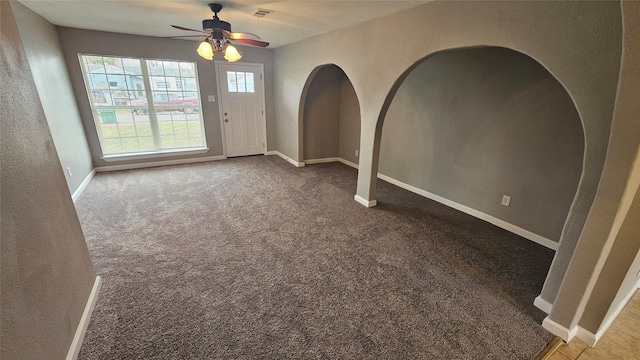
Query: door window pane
{"x":231,"y":81}
{"x":241,"y":84}
{"x":238,"y":81}
{"x":249,"y":79}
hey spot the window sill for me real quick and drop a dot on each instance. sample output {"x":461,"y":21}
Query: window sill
{"x":155,"y":154}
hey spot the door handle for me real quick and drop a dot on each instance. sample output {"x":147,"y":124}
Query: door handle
{"x":226,"y":120}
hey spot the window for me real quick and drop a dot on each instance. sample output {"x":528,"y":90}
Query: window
{"x":238,"y":81}
{"x":135,"y":108}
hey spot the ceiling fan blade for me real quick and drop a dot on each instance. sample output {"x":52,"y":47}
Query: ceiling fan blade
{"x":252,"y":42}
{"x":183,"y":36}
{"x":240,"y":36}
{"x":185,"y":28}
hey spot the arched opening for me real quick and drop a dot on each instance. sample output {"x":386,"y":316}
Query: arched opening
{"x":473,"y":125}
{"x":330,"y":114}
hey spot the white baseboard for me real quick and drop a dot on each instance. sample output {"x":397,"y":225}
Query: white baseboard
{"x":76,"y":194}
{"x":321,"y":161}
{"x":348,"y":163}
{"x":365,"y":202}
{"x":331,"y":159}
{"x":559,"y":330}
{"x":285,"y":157}
{"x":158,"y":163}
{"x":473,"y":212}
{"x":543,"y":304}
{"x":588,"y":337}
{"x":74,"y":349}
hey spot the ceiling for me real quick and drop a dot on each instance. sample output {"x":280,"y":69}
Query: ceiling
{"x":289,"y":22}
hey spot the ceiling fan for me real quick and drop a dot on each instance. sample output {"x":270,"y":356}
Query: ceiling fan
{"x":219,"y":38}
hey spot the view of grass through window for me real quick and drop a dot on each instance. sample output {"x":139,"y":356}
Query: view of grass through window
{"x":143,"y":105}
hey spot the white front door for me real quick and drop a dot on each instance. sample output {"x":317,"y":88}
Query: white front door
{"x":242,"y":108}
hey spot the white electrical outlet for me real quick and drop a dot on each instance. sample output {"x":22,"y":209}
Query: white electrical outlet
{"x":506,"y":200}
{"x":356,"y":152}
{"x":69,"y":171}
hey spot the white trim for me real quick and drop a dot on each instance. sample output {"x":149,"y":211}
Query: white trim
{"x":155,"y":154}
{"x":331,"y":159}
{"x":543,"y":304}
{"x":76,"y":194}
{"x":587,"y":336}
{"x":365,"y":202}
{"x":285,"y":157}
{"x":158,"y":163}
{"x":220,"y":112}
{"x":348,"y":163}
{"x":473,"y":212}
{"x":559,"y":330}
{"x":321,"y":161}
{"x":74,"y":349}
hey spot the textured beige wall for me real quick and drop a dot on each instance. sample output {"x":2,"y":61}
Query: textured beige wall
{"x":321,"y":122}
{"x":349,"y":122}
{"x":49,"y":71}
{"x":579,"y":43}
{"x":471,"y":125}
{"x":610,"y":280}
{"x":46,"y":272}
{"x":74,"y":41}
{"x":623,"y":147}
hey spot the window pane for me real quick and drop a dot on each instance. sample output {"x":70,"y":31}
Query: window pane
{"x":100,"y":97}
{"x":171,"y":68}
{"x":181,"y":130}
{"x":125,"y":131}
{"x":155,"y":67}
{"x":189,"y":84}
{"x":249,"y":80}
{"x":231,"y":81}
{"x":187,"y":70}
{"x":240,"y":81}
{"x":132,"y":67}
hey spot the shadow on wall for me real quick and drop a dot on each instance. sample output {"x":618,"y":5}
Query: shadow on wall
{"x":331,"y":116}
{"x":471,"y":125}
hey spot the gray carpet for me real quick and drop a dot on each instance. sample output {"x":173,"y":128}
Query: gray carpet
{"x":253,"y":258}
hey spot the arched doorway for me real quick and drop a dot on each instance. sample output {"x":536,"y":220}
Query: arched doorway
{"x":330,"y":117}
{"x":470,"y":126}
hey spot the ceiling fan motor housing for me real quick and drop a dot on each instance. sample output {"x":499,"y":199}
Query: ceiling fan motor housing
{"x":211,"y":24}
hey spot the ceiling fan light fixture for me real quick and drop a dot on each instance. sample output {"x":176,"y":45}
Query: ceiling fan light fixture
{"x":231,"y":54}
{"x":205,"y":50}
{"x":218,"y":36}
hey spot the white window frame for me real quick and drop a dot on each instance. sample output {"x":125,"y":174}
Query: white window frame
{"x":153,"y":118}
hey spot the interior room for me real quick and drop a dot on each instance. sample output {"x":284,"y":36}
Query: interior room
{"x":333,"y":179}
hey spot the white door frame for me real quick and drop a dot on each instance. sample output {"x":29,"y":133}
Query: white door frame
{"x":221,"y":112}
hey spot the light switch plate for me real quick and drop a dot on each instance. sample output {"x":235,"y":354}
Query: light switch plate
{"x":506,"y":200}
